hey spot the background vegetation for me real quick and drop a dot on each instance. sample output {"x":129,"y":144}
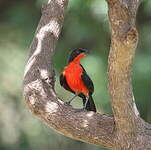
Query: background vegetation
{"x":86,"y":26}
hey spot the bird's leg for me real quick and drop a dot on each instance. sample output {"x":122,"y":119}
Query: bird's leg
{"x":87,"y":98}
{"x":84,"y":107}
{"x":68,"y":102}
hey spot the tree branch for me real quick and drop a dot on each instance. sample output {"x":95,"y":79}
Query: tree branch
{"x":124,"y":39}
{"x":86,"y":126}
{"x":39,"y":86}
{"x":130,"y":132}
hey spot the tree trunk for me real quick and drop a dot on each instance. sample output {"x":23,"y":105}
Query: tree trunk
{"x":125,"y":130}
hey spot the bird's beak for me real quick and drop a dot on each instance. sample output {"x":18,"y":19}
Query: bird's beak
{"x":86,"y":51}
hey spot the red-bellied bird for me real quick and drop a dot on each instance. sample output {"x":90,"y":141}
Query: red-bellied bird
{"x":75,"y":79}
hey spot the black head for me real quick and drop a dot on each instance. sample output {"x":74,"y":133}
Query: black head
{"x":76,"y":53}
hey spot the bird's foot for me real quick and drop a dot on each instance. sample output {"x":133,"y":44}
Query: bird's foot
{"x":67,"y":103}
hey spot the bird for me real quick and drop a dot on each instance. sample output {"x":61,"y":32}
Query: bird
{"x":75,"y":79}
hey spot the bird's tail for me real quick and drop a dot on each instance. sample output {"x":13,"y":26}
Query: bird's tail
{"x":90,"y":104}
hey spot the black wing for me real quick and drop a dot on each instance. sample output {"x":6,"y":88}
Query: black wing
{"x":64,"y":84}
{"x":87,"y":81}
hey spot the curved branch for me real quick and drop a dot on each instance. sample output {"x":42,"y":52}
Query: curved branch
{"x":86,"y":126}
{"x":39,"y":86}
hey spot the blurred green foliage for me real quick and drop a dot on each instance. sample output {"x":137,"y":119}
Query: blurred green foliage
{"x":86,"y":26}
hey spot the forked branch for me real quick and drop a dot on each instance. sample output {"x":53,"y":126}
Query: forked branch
{"x":128,"y":131}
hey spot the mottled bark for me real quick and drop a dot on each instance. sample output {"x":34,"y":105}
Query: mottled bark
{"x":124,"y":38}
{"x":123,"y":131}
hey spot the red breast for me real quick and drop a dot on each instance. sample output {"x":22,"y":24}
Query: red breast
{"x":73,"y":74}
